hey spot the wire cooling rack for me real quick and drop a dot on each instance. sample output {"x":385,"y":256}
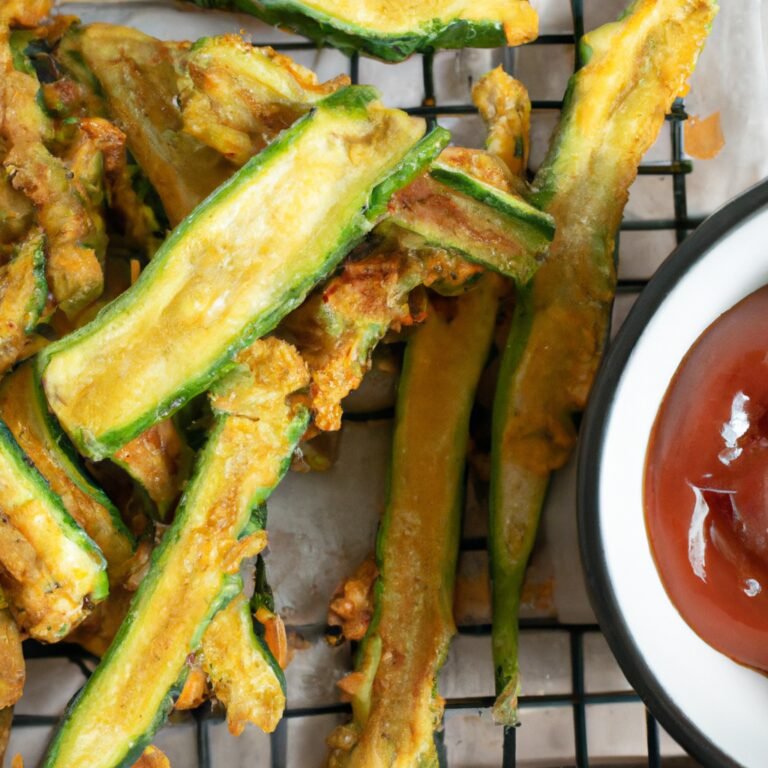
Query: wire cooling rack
{"x":579,"y":697}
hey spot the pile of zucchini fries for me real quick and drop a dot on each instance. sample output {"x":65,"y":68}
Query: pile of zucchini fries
{"x":202,"y":245}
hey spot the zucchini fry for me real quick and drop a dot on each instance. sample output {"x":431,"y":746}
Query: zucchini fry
{"x":393,"y":31}
{"x":394,"y":701}
{"x":485,"y":222}
{"x":137,"y":76}
{"x":278,"y":246}
{"x":25,"y":413}
{"x":505,"y":106}
{"x":260,"y":418}
{"x":242,"y":670}
{"x":52,"y":573}
{"x":614,"y":109}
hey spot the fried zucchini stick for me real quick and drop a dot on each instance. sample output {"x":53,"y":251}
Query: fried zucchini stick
{"x":394,"y":702}
{"x":24,"y":411}
{"x":615,"y":106}
{"x":260,"y":418}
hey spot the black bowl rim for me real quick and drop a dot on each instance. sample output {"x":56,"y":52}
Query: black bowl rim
{"x":592,"y":437}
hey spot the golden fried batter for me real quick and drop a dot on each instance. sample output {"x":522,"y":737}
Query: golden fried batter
{"x":351,"y":607}
{"x":506,"y":109}
{"x":236,"y":98}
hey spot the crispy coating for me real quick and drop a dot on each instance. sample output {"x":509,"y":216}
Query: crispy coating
{"x":236,"y":98}
{"x":63,"y":201}
{"x":506,"y":109}
{"x":24,"y":13}
{"x":195,"y":690}
{"x":152,"y":758}
{"x":160,"y":461}
{"x":135,"y":219}
{"x":21,"y":298}
{"x":351,"y":607}
{"x":241,"y":677}
{"x":337,"y":328}
{"x":16,"y":212}
{"x":40,"y":606}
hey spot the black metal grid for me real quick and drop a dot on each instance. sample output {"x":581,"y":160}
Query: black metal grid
{"x":678,"y":167}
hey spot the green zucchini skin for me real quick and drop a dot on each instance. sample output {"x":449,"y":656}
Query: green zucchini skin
{"x":395,"y":710}
{"x":263,"y":596}
{"x":407,"y":170}
{"x":485,"y":225}
{"x":516,"y":498}
{"x":69,"y":551}
{"x":350,"y":37}
{"x":510,"y":205}
{"x":350,"y":110}
{"x":607,"y":125}
{"x":191,"y":576}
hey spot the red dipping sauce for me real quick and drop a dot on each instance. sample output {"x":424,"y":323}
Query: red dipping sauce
{"x":706,"y":484}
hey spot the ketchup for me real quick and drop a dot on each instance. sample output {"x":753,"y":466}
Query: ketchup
{"x":706,"y":484}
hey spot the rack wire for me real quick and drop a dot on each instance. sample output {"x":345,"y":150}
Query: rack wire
{"x":578,"y":698}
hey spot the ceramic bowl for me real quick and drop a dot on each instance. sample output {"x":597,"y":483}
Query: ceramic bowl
{"x":715,"y":708}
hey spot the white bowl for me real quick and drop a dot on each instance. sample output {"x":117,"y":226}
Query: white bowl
{"x":715,"y":708}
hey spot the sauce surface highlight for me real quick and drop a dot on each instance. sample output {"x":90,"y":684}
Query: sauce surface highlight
{"x":706,"y":484}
